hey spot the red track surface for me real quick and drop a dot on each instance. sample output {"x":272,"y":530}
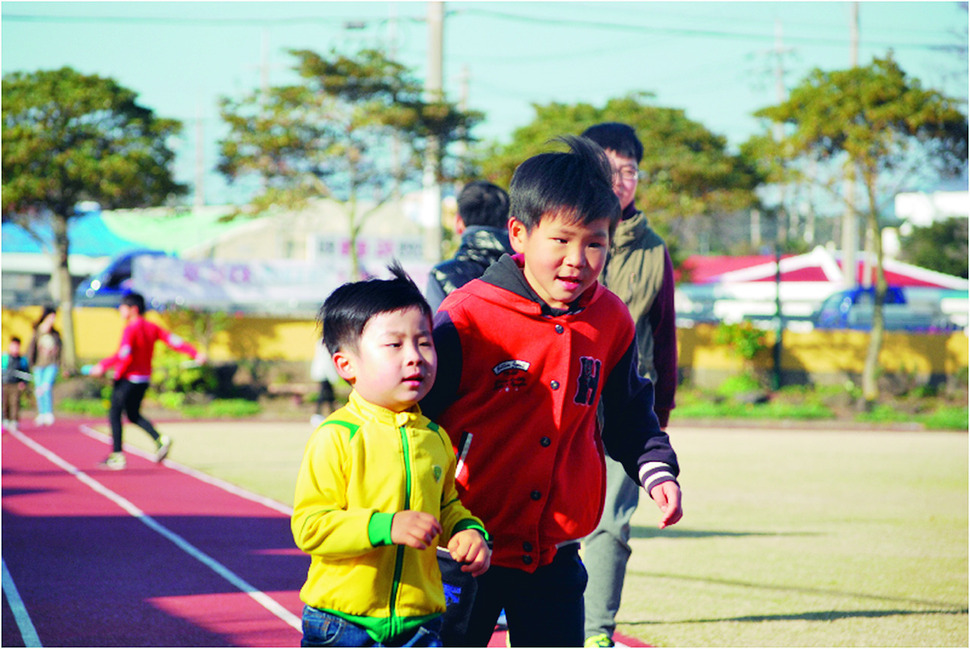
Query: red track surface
{"x":148,"y":556}
{"x":91,"y":571}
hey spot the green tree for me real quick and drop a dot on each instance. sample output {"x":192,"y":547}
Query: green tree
{"x":883,"y":127}
{"x":940,"y":246}
{"x":70,"y":137}
{"x":333,"y":135}
{"x":688,"y":171}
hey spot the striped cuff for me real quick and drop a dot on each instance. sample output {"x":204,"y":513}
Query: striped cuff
{"x":654,"y":473}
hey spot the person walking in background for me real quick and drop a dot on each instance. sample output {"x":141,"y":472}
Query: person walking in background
{"x":44,"y":356}
{"x":323,"y":371}
{"x":640,"y":271}
{"x":526,"y":353}
{"x":376,"y":494}
{"x":482,"y":223}
{"x":133,"y":371}
{"x":16,"y":373}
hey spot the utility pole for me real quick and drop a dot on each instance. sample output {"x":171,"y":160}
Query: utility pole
{"x":779,"y":135}
{"x":463,"y":105}
{"x":199,"y":157}
{"x":850,"y":221}
{"x":396,"y":141}
{"x":432,"y":161}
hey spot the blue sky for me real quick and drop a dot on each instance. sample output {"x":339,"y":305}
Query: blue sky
{"x":715,"y":60}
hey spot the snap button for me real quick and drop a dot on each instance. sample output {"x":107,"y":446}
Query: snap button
{"x":545,"y":441}
{"x":526,"y":559}
{"x":554,"y":385}
{"x":527,"y":546}
{"x":560,"y":329}
{"x":535,"y":495}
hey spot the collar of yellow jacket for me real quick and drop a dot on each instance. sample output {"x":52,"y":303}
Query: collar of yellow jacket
{"x":370,"y":411}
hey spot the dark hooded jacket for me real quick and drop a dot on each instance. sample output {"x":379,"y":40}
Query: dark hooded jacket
{"x":480,"y":246}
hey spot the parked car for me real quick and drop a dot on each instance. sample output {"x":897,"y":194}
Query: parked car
{"x":854,"y":308}
{"x":105,"y":289}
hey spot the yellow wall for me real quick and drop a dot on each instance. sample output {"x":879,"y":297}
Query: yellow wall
{"x":98,"y":331}
{"x":815,"y":353}
{"x":833,"y":353}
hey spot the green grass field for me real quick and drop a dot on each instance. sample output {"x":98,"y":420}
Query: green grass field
{"x":790,"y":538}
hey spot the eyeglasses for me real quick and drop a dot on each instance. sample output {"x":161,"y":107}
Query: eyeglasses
{"x":627,"y":173}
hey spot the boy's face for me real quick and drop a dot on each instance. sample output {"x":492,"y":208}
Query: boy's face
{"x":14,"y":348}
{"x":625,"y":177}
{"x":563,"y":258}
{"x":395,"y":362}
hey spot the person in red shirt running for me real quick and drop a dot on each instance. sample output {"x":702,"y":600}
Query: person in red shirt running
{"x":132,"y":364}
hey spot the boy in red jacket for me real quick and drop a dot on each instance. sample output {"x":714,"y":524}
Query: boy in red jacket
{"x":133,"y":371}
{"x":525,"y":354}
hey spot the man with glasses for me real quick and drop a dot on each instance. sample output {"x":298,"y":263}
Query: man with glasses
{"x":639,"y":270}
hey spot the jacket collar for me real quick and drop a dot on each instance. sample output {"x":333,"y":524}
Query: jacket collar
{"x":367,"y":410}
{"x":506,"y":273}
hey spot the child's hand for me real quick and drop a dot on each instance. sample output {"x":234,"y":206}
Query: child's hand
{"x":414,"y":529}
{"x":468,"y":548}
{"x":667,"y":497}
{"x":97,"y":370}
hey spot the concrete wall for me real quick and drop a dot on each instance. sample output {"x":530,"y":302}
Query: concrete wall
{"x":817,"y":356}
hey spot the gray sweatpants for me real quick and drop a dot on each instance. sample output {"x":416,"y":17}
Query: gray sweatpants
{"x":607,"y":550}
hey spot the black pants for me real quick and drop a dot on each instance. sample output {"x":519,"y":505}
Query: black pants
{"x":127,"y":397}
{"x":543,"y":609}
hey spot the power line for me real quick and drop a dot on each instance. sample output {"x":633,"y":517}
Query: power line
{"x":690,"y":32}
{"x":567,"y":22}
{"x":194,"y":22}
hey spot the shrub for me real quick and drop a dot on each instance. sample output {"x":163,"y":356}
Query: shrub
{"x":743,"y":338}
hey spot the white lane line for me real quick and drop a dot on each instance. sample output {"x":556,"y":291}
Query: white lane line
{"x":260,"y":597}
{"x":20,"y":614}
{"x":198,"y":475}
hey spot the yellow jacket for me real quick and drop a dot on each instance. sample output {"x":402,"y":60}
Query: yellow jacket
{"x":363,"y":464}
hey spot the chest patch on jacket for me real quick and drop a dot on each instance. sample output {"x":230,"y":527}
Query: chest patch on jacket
{"x":588,"y":380}
{"x":510,"y":375}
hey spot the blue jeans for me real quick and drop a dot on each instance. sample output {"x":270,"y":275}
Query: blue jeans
{"x":322,"y":629}
{"x":44,"y":378}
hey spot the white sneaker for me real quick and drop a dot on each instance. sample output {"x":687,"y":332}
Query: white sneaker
{"x":114,"y":462}
{"x":164,"y":444}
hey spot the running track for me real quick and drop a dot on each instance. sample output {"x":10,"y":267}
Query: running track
{"x":155,"y":555}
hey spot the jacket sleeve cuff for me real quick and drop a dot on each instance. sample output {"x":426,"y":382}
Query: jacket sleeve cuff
{"x":654,"y":473}
{"x":379,"y":529}
{"x":469,"y":524}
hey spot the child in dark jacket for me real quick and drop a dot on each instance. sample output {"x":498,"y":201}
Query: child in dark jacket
{"x":526,"y":353}
{"x":16,"y":373}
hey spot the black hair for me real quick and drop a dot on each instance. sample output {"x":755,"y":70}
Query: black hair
{"x":15,"y":339}
{"x":46,"y":312}
{"x":576,"y":185}
{"x":482,"y":203}
{"x":135,"y":300}
{"x":618,"y":137}
{"x":351,"y":306}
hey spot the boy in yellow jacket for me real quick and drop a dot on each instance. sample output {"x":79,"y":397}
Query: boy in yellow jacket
{"x":376,"y":491}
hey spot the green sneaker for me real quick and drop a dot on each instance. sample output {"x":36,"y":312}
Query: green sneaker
{"x":601,"y":640}
{"x":114,"y":462}
{"x":164,"y":443}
